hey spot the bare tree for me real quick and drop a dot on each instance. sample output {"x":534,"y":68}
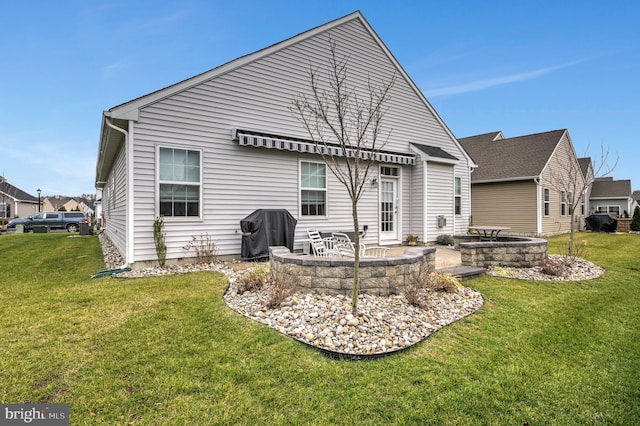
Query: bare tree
{"x":345,"y":120}
{"x":573,"y":184}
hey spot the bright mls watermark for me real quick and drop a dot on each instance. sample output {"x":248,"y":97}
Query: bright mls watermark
{"x":35,"y":414}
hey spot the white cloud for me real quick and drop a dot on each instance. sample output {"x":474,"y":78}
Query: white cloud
{"x":478,"y":85}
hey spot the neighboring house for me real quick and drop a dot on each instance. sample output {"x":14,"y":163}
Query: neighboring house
{"x":586,"y":166}
{"x":611,"y":196}
{"x":83,"y":203}
{"x":14,"y":202}
{"x":518,"y":180}
{"x":635,"y":195}
{"x":206,"y":152}
{"x":55,"y":203}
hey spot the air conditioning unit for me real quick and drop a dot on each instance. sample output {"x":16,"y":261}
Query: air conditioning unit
{"x":442,"y":221}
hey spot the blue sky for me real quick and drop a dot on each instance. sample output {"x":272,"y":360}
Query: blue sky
{"x":519,"y":67}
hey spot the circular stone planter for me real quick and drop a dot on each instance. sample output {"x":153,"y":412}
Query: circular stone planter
{"x":380,"y":276}
{"x":515,"y":252}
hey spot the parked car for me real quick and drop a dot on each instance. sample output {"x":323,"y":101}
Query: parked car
{"x":53,"y":220}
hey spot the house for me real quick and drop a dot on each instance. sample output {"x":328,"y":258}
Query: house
{"x":611,"y":196}
{"x":525,"y":183}
{"x":14,"y":202}
{"x":636,"y":201}
{"x":55,"y":203}
{"x":586,"y":166}
{"x":208,"y":151}
{"x":84,"y":203}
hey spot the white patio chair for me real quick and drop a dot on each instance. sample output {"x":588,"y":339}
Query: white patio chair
{"x":374,"y":251}
{"x":343,"y":244}
{"x":323,"y":247}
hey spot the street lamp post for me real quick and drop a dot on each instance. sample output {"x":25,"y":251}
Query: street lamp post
{"x":39,"y":191}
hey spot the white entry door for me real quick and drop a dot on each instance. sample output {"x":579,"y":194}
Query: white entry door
{"x":388,"y":210}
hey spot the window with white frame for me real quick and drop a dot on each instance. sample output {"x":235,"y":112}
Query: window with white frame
{"x":5,"y":210}
{"x":547,"y":202}
{"x":612,"y":210}
{"x":179,"y":182}
{"x":313,"y":189}
{"x":458,"y":195}
{"x":563,"y":203}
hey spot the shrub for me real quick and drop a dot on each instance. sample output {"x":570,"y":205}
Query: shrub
{"x":422,"y":282}
{"x":553,"y":266}
{"x":635,"y":221}
{"x":414,"y":289}
{"x":204,"y":247}
{"x":569,"y":255}
{"x":159,"y":239}
{"x":283,"y":285}
{"x":446,"y":283}
{"x":445,"y":240}
{"x":254,"y":279}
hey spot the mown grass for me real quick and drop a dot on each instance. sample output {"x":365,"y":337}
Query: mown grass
{"x":166,"y":350}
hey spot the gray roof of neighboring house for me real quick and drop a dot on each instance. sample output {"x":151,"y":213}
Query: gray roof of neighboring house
{"x":434,"y":151}
{"x":16,"y":193}
{"x":511,"y":158}
{"x":636,"y":195}
{"x":609,"y":188}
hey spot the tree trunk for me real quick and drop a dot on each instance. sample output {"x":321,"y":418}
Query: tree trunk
{"x":356,"y":257}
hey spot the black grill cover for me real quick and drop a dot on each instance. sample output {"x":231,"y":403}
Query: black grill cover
{"x":264,"y":228}
{"x":601,"y":223}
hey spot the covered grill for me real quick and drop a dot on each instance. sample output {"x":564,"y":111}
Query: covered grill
{"x":601,"y":223}
{"x":264,"y":228}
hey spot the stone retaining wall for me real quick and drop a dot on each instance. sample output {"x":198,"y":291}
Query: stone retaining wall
{"x":331,"y":275}
{"x":511,"y":251}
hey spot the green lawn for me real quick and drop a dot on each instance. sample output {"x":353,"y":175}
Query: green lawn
{"x":167,"y":350}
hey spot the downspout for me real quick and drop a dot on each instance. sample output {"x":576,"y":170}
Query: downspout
{"x":538,"y":206}
{"x":129,"y":188}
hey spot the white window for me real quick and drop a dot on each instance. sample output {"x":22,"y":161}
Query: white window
{"x":5,"y":210}
{"x":313,"y":189}
{"x":179,"y":182}
{"x":614,"y":211}
{"x":458,"y":196}
{"x":563,"y":203}
{"x":547,"y":202}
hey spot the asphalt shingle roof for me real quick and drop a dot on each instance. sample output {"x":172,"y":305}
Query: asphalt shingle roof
{"x":16,"y":193}
{"x":609,"y":188}
{"x":510,"y":158}
{"x":434,"y":151}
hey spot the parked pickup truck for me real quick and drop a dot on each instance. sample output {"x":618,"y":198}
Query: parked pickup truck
{"x":53,"y":220}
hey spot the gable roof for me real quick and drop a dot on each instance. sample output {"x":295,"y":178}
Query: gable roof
{"x":609,"y":188}
{"x":519,"y":158}
{"x":16,"y":193}
{"x":115,"y":120}
{"x":585,"y":164}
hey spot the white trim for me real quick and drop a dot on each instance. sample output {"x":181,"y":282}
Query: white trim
{"x":425,"y":201}
{"x":129,"y":164}
{"x":326,"y":190}
{"x":157,"y":182}
{"x":539,"y":207}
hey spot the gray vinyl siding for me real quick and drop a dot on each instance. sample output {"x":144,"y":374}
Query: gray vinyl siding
{"x":237,"y":180}
{"x":510,"y":204}
{"x":414,"y":200}
{"x":115,"y":209}
{"x":439,"y":190}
